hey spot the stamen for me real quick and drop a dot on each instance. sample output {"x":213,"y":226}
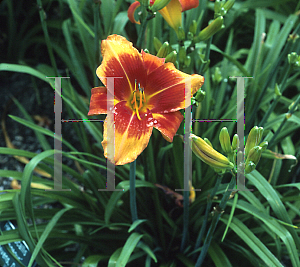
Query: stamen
{"x":134,"y":100}
{"x":141,"y":103}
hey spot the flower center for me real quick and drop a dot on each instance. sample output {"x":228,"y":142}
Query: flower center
{"x":138,"y":99}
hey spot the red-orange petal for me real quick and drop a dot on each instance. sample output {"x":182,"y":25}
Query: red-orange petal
{"x":152,"y":62}
{"x":167,"y":123}
{"x":122,"y":62}
{"x":165,"y":90}
{"x":131,"y":11}
{"x":131,"y":134}
{"x":188,"y":4}
{"x":98,"y":103}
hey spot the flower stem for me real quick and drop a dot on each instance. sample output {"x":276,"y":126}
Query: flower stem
{"x":142,"y":34}
{"x":133,"y":208}
{"x":214,"y":223}
{"x":96,"y":40}
{"x":185,"y":231}
{"x":208,"y":207}
{"x":206,"y":56}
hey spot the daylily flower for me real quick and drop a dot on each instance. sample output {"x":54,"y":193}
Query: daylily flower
{"x":171,"y":12}
{"x":149,"y":94}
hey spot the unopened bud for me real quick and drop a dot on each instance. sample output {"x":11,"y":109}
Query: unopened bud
{"x":224,"y":138}
{"x":208,"y":142}
{"x":208,"y":155}
{"x":193,"y":27}
{"x":159,"y":4}
{"x":235,"y":142}
{"x":176,"y":65}
{"x":228,"y":5}
{"x":249,"y":167}
{"x":210,"y":30}
{"x":157,"y":44}
{"x":190,"y":36}
{"x":253,"y":139}
{"x":187,"y":61}
{"x":200,"y":96}
{"x":294,"y":60}
{"x":180,"y":34}
{"x":264,"y":145}
{"x":182,"y":54}
{"x":163,"y":51}
{"x":217,"y":76}
{"x":277,"y":90}
{"x":171,"y":57}
{"x":254,"y":155}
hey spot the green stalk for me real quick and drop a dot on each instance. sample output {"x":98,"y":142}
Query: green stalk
{"x":96,"y":40}
{"x":157,"y":205}
{"x":142,"y":33}
{"x":144,"y":18}
{"x":46,"y":34}
{"x":269,"y":111}
{"x":214,"y":223}
{"x":207,"y":53}
{"x":185,"y":230}
{"x":208,"y":208}
{"x":133,"y":208}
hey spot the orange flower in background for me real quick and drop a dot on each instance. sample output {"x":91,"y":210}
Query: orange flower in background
{"x":149,"y":94}
{"x":171,"y":12}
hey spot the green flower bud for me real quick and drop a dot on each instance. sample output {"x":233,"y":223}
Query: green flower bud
{"x":210,"y":30}
{"x":208,"y":142}
{"x":249,"y":167}
{"x":235,"y":142}
{"x":218,"y":6}
{"x":293,"y":37}
{"x":254,"y":155}
{"x":182,"y":54}
{"x":200,"y":96}
{"x":260,"y":134}
{"x":264,"y":145}
{"x":159,"y":4}
{"x":208,"y":155}
{"x":277,"y":90}
{"x":180,"y":34}
{"x":190,"y":36}
{"x":224,"y":138}
{"x":253,"y":139}
{"x":291,"y":105}
{"x":171,"y":57}
{"x":288,"y":115}
{"x":193,"y":27}
{"x":187,"y":61}
{"x":164,"y":50}
{"x":294,"y":60}
{"x":146,"y":51}
{"x":157,"y":44}
{"x":228,"y":5}
{"x":217,"y":76}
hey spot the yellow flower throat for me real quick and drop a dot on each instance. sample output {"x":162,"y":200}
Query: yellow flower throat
{"x":138,"y":99}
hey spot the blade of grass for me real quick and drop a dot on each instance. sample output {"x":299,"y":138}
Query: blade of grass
{"x":252,"y":241}
{"x":45,"y":234}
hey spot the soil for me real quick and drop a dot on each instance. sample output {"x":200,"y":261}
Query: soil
{"x":37,"y":98}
